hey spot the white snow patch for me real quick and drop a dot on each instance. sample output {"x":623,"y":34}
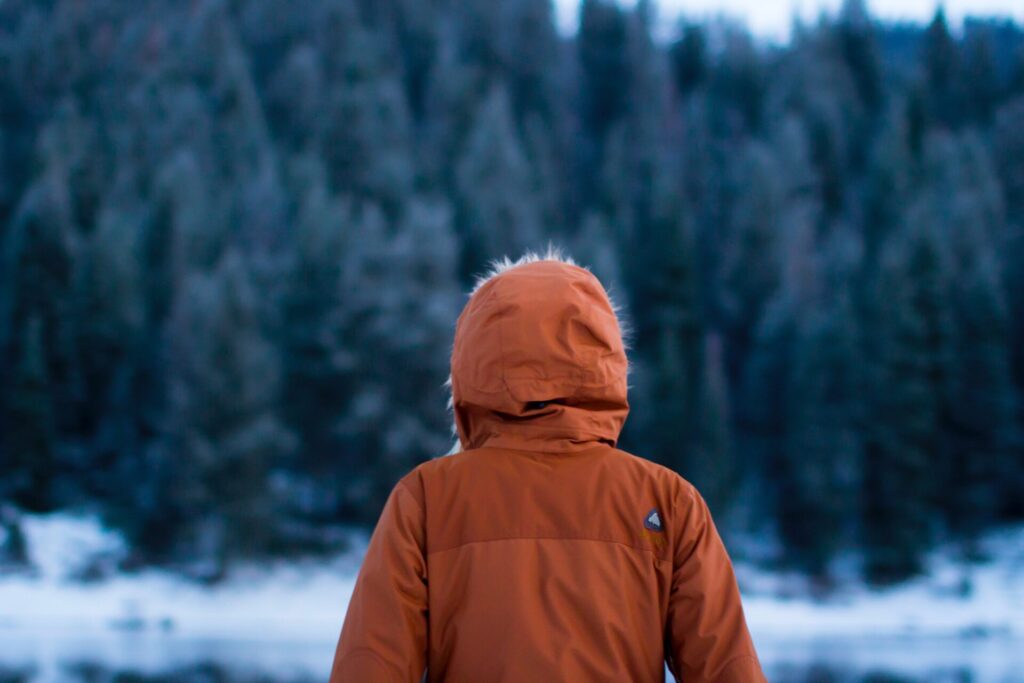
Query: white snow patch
{"x":299,"y":600}
{"x":59,"y":545}
{"x":952,"y":600}
{"x":284,"y":618}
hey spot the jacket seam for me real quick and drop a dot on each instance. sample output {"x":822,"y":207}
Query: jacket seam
{"x":733,"y":660}
{"x":420,"y":499}
{"x":548,"y":538}
{"x":402,"y":483}
{"x":547,"y":378}
{"x":542,"y":451}
{"x":523,"y":426}
{"x":534,"y":431}
{"x":520,"y":378}
{"x":361,"y":651}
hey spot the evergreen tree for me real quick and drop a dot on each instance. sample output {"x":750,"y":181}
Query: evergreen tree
{"x":858,"y":45}
{"x":941,"y":67}
{"x":366,"y":132}
{"x":531,"y":47}
{"x":822,"y":449}
{"x":401,"y":288}
{"x":1009,"y":158}
{"x":417,"y":27}
{"x":750,"y":269}
{"x":30,"y":429}
{"x":318,"y":368}
{"x":108,"y":318}
{"x":217,"y":494}
{"x":889,"y":184}
{"x":498,"y":211}
{"x":668,"y":321}
{"x":38,"y":404}
{"x":981,"y":79}
{"x":761,"y":413}
{"x":962,"y":199}
{"x":713,"y":467}
{"x":984,"y":334}
{"x":906,"y":451}
{"x":689,"y":59}
{"x":603,"y":45}
{"x":605,"y":82}
{"x":737,"y":86}
{"x":983,"y":413}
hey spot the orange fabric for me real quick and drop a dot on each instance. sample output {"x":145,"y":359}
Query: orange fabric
{"x":542,"y":552}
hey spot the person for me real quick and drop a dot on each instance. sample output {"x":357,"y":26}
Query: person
{"x":540,"y":551}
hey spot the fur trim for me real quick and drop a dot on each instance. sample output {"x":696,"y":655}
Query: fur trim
{"x":505,"y":264}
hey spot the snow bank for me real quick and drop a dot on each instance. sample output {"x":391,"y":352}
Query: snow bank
{"x":952,"y":600}
{"x":300,"y":601}
{"x":306,"y":601}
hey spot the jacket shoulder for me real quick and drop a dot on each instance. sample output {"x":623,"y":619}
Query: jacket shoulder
{"x":429,"y":470}
{"x":673,"y":490}
{"x":433,"y":467}
{"x":634,"y":465}
{"x":665,"y":478}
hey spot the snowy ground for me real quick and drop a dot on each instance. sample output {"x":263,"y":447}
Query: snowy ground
{"x":285,"y":618}
{"x":953,"y":600}
{"x":304,"y":600}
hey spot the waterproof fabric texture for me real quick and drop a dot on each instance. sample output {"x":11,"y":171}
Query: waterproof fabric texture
{"x":542,"y":552}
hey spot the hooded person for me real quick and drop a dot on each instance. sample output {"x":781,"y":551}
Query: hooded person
{"x":540,"y":551}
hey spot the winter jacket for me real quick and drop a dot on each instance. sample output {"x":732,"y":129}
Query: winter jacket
{"x":541,"y":552}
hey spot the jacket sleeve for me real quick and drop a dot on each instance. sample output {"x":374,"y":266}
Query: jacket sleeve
{"x":384,"y":638}
{"x":707,"y":640}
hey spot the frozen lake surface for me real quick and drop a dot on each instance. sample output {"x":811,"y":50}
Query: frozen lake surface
{"x":28,"y":657}
{"x":276,"y":624}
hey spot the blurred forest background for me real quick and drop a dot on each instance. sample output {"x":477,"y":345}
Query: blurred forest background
{"x":234,"y":238}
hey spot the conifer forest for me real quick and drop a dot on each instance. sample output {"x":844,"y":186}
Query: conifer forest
{"x":235,"y":237}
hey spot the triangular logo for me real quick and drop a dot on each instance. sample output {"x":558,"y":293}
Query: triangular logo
{"x":653,"y":520}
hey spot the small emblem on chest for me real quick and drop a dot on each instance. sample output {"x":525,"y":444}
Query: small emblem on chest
{"x":653,"y":521}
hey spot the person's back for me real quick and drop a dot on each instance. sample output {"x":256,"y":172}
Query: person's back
{"x":541,"y":552}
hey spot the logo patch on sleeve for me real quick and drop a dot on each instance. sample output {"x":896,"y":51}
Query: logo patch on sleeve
{"x":653,"y":521}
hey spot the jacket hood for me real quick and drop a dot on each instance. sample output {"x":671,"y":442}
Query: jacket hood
{"x":539,"y":361}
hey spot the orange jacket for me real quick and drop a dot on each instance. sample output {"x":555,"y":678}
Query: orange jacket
{"x":542,"y":553}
